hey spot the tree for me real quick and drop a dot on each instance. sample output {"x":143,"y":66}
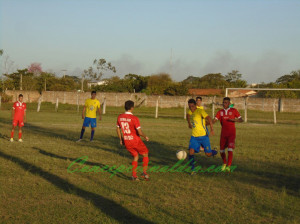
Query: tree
{"x":35,"y":69}
{"x":158,"y":83}
{"x":135,"y":83}
{"x":213,"y":80}
{"x":1,"y":52}
{"x":95,"y":72}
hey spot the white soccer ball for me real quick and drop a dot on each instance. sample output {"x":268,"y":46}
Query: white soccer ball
{"x":180,"y":154}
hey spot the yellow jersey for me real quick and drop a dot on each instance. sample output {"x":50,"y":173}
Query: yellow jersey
{"x":201,"y":107}
{"x":91,"y":107}
{"x":198,"y":122}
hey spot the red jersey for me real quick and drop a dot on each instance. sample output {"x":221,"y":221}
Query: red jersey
{"x":129,"y":125}
{"x":223,"y":116}
{"x":19,"y":108}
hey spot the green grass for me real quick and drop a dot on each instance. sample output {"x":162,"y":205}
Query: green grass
{"x":35,"y":186}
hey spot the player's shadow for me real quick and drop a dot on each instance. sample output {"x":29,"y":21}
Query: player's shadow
{"x":119,"y":174}
{"x":107,"y":206}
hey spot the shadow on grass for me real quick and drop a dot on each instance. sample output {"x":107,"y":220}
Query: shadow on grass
{"x":106,"y":206}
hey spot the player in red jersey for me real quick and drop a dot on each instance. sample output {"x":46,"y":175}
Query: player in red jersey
{"x":19,"y":117}
{"x":131,"y":131}
{"x":227,"y":117}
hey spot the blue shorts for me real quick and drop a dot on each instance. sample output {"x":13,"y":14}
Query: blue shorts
{"x":197,"y":142}
{"x":87,"y":121}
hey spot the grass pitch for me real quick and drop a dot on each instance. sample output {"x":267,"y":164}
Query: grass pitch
{"x":35,"y":186}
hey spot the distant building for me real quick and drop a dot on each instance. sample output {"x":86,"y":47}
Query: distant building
{"x":95,"y":83}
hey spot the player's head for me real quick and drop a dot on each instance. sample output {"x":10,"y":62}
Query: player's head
{"x":198,"y":101}
{"x":226,"y":102}
{"x":93,"y":94}
{"x":20,"y":97}
{"x":192,"y":105}
{"x":129,"y":105}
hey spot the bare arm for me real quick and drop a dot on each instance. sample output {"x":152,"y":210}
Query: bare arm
{"x":83,"y":113}
{"x":120,"y":135}
{"x":142,"y":134}
{"x":188,"y":118}
{"x":240,"y":119}
{"x":210,"y":124}
{"x":214,"y":120}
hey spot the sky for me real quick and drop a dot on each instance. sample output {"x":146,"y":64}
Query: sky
{"x":259,"y":38}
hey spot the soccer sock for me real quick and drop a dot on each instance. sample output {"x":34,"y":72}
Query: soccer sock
{"x":214,"y":152}
{"x":82,"y":132}
{"x":20,"y":135}
{"x":230,"y":157}
{"x":12,"y":134}
{"x":192,"y":161}
{"x":145,"y":164}
{"x":134,"y":166}
{"x":223,"y":156}
{"x":92,"y":134}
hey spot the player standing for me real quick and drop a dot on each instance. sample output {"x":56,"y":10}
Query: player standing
{"x":227,"y":117}
{"x":89,"y":114}
{"x":19,"y":117}
{"x":199,"y":132}
{"x":131,"y":130}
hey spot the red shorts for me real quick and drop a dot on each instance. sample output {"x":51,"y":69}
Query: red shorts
{"x":227,"y":141}
{"x":18,"y":121}
{"x":136,"y":148}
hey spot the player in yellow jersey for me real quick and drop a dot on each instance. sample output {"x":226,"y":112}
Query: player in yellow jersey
{"x":89,"y":111}
{"x":199,"y":132}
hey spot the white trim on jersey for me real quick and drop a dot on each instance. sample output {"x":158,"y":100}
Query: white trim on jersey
{"x":128,"y":112}
{"x":138,"y":127}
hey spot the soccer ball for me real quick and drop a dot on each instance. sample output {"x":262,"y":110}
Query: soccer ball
{"x":180,"y":154}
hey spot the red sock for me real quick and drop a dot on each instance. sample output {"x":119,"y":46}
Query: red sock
{"x":134,"y":166}
{"x":223,"y":156}
{"x":20,"y":135}
{"x":12,"y":134}
{"x":230,"y":157}
{"x":145,"y":163}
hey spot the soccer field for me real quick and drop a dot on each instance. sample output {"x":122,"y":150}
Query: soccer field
{"x":36,"y":185}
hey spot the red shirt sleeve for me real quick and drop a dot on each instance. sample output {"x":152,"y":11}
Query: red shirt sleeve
{"x":137,"y":124}
{"x":14,"y":106}
{"x":218,"y":115}
{"x":237,"y":114}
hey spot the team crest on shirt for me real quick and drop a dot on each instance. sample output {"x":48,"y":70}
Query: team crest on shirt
{"x":91,"y":107}
{"x":221,"y":113}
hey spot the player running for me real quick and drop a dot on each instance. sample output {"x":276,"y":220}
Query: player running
{"x":131,"y":130}
{"x":89,"y":112}
{"x":18,"y":116}
{"x":227,"y":117}
{"x":199,"y":133}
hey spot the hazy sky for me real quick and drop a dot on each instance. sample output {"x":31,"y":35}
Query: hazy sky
{"x":261,"y":39}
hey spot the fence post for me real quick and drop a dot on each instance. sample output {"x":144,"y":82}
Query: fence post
{"x":39,"y":104}
{"x":77,"y":102}
{"x":156,"y":110}
{"x":116,"y":100}
{"x":213,"y":107}
{"x":0,"y":101}
{"x":185,"y":106}
{"x":280,"y":105}
{"x":56,"y":105}
{"x":245,"y":108}
{"x":274,"y":111}
{"x":104,"y":106}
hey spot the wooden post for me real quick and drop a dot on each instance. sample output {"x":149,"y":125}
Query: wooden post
{"x":185,"y":107}
{"x":213,"y":107}
{"x":77,"y":103}
{"x":280,"y":105}
{"x":39,"y":104}
{"x":245,"y":108}
{"x":104,"y":106}
{"x":0,"y":101}
{"x":116,"y":100}
{"x":156,"y":110}
{"x":274,"y":110}
{"x":56,"y":105}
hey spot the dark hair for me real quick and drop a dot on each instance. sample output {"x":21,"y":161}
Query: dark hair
{"x":129,"y":104}
{"x":20,"y":95}
{"x":93,"y":92}
{"x":199,"y":97}
{"x":192,"y":101}
{"x":226,"y":98}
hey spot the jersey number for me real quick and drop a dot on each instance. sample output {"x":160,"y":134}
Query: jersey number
{"x":125,"y":127}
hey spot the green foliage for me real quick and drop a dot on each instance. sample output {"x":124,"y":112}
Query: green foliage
{"x":135,"y":83}
{"x":5,"y":98}
{"x":176,"y":89}
{"x":158,"y":83}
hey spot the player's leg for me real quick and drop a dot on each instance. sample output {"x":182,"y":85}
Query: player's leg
{"x":207,"y":148}
{"x":194,"y":146}
{"x":134,"y":166}
{"x":20,"y":134}
{"x":13,"y":131}
{"x":93,"y":126}
{"x":145,"y":166}
{"x":86,"y":123}
{"x":223,"y":144}
{"x":231,"y":146}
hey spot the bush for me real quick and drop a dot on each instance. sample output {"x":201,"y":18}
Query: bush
{"x":5,"y":98}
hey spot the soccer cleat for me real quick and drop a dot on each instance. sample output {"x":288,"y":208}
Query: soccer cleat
{"x":20,"y":140}
{"x":135,"y":178}
{"x":79,"y":140}
{"x":223,"y":167}
{"x":145,"y":176}
{"x":11,"y":140}
{"x":214,"y":152}
{"x":227,"y":169}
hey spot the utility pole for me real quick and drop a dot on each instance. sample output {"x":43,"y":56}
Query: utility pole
{"x":171,"y":61}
